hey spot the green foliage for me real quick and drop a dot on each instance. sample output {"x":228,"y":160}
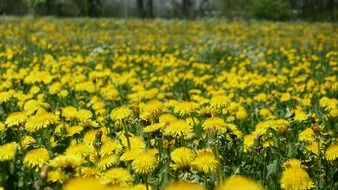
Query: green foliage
{"x":271,"y":9}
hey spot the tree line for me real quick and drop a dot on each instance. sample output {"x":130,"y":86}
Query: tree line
{"x":233,"y":9}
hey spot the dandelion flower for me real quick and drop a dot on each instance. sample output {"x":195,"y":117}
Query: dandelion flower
{"x":185,"y":108}
{"x":27,"y":141}
{"x":205,"y":161}
{"x":2,"y":127}
{"x":117,"y":176}
{"x":7,"y":151}
{"x":121,"y":113}
{"x":182,"y":157}
{"x":84,"y":184}
{"x":214,"y":124}
{"x":56,"y":176}
{"x":153,"y":128}
{"x":36,"y":158}
{"x":144,"y":163}
{"x":292,"y":163}
{"x":219,"y":101}
{"x":16,"y":118}
{"x":332,"y":152}
{"x":184,"y":185}
{"x":238,"y":182}
{"x":296,"y":178}
{"x":106,"y":162}
{"x":40,"y":121}
{"x":69,"y":112}
{"x":307,"y":135}
{"x":177,"y":129}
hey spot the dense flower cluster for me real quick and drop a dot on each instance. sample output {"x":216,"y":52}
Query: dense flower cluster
{"x":113,"y":104}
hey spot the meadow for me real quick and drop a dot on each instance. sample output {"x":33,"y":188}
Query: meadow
{"x":168,"y":104}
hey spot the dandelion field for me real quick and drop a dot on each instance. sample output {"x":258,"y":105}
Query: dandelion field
{"x":158,"y":104}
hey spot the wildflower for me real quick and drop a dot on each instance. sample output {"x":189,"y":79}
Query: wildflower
{"x":56,"y":176}
{"x":121,"y":113}
{"x":307,"y":135}
{"x":6,"y":96}
{"x":27,"y":141}
{"x":67,"y":160}
{"x":295,"y":178}
{"x":84,"y":184}
{"x":15,"y":119}
{"x":151,"y":110}
{"x":110,"y":147}
{"x":106,"y":162}
{"x":7,"y":151}
{"x":36,"y":158}
{"x":117,"y":176}
{"x":219,"y":102}
{"x":69,"y":112}
{"x":153,"y":128}
{"x":40,"y":121}
{"x":90,"y":172}
{"x":205,"y":161}
{"x":84,"y":114}
{"x":182,"y":157}
{"x":332,"y":152}
{"x":144,"y":163}
{"x":184,"y":185}
{"x":177,"y":129}
{"x":2,"y":127}
{"x":214,"y":124}
{"x":238,"y":182}
{"x":185,"y":108}
{"x":292,"y":163}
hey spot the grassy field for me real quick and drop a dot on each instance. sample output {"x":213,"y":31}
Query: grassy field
{"x":159,"y":104}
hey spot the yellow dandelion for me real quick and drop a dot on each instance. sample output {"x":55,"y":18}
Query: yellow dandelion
{"x":6,"y":96}
{"x":140,"y":186}
{"x":36,"y":158}
{"x":300,"y":115}
{"x":153,"y":128}
{"x":182,"y":157}
{"x":111,"y":147}
{"x":185,"y":108}
{"x":248,"y":141}
{"x":40,"y":121}
{"x":16,"y":118}
{"x":72,"y":130}
{"x":180,"y":128}
{"x":184,"y":185}
{"x":2,"y":127}
{"x":307,"y":135}
{"x":67,"y":160}
{"x":214,"y":124}
{"x":106,"y":162}
{"x":69,"y":112}
{"x":151,"y":109}
{"x":130,"y":154}
{"x":292,"y":163}
{"x":7,"y":151}
{"x":56,"y":176}
{"x":219,"y":102}
{"x":121,"y":113}
{"x":90,"y":172}
{"x":167,"y":118}
{"x":332,"y":152}
{"x":296,"y":178}
{"x":205,"y":161}
{"x":84,"y":114}
{"x":117,"y":176}
{"x":27,"y":141}
{"x":238,"y":182}
{"x":84,"y":184}
{"x":144,"y":163}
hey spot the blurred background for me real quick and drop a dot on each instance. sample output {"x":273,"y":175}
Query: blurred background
{"x":278,"y":10}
